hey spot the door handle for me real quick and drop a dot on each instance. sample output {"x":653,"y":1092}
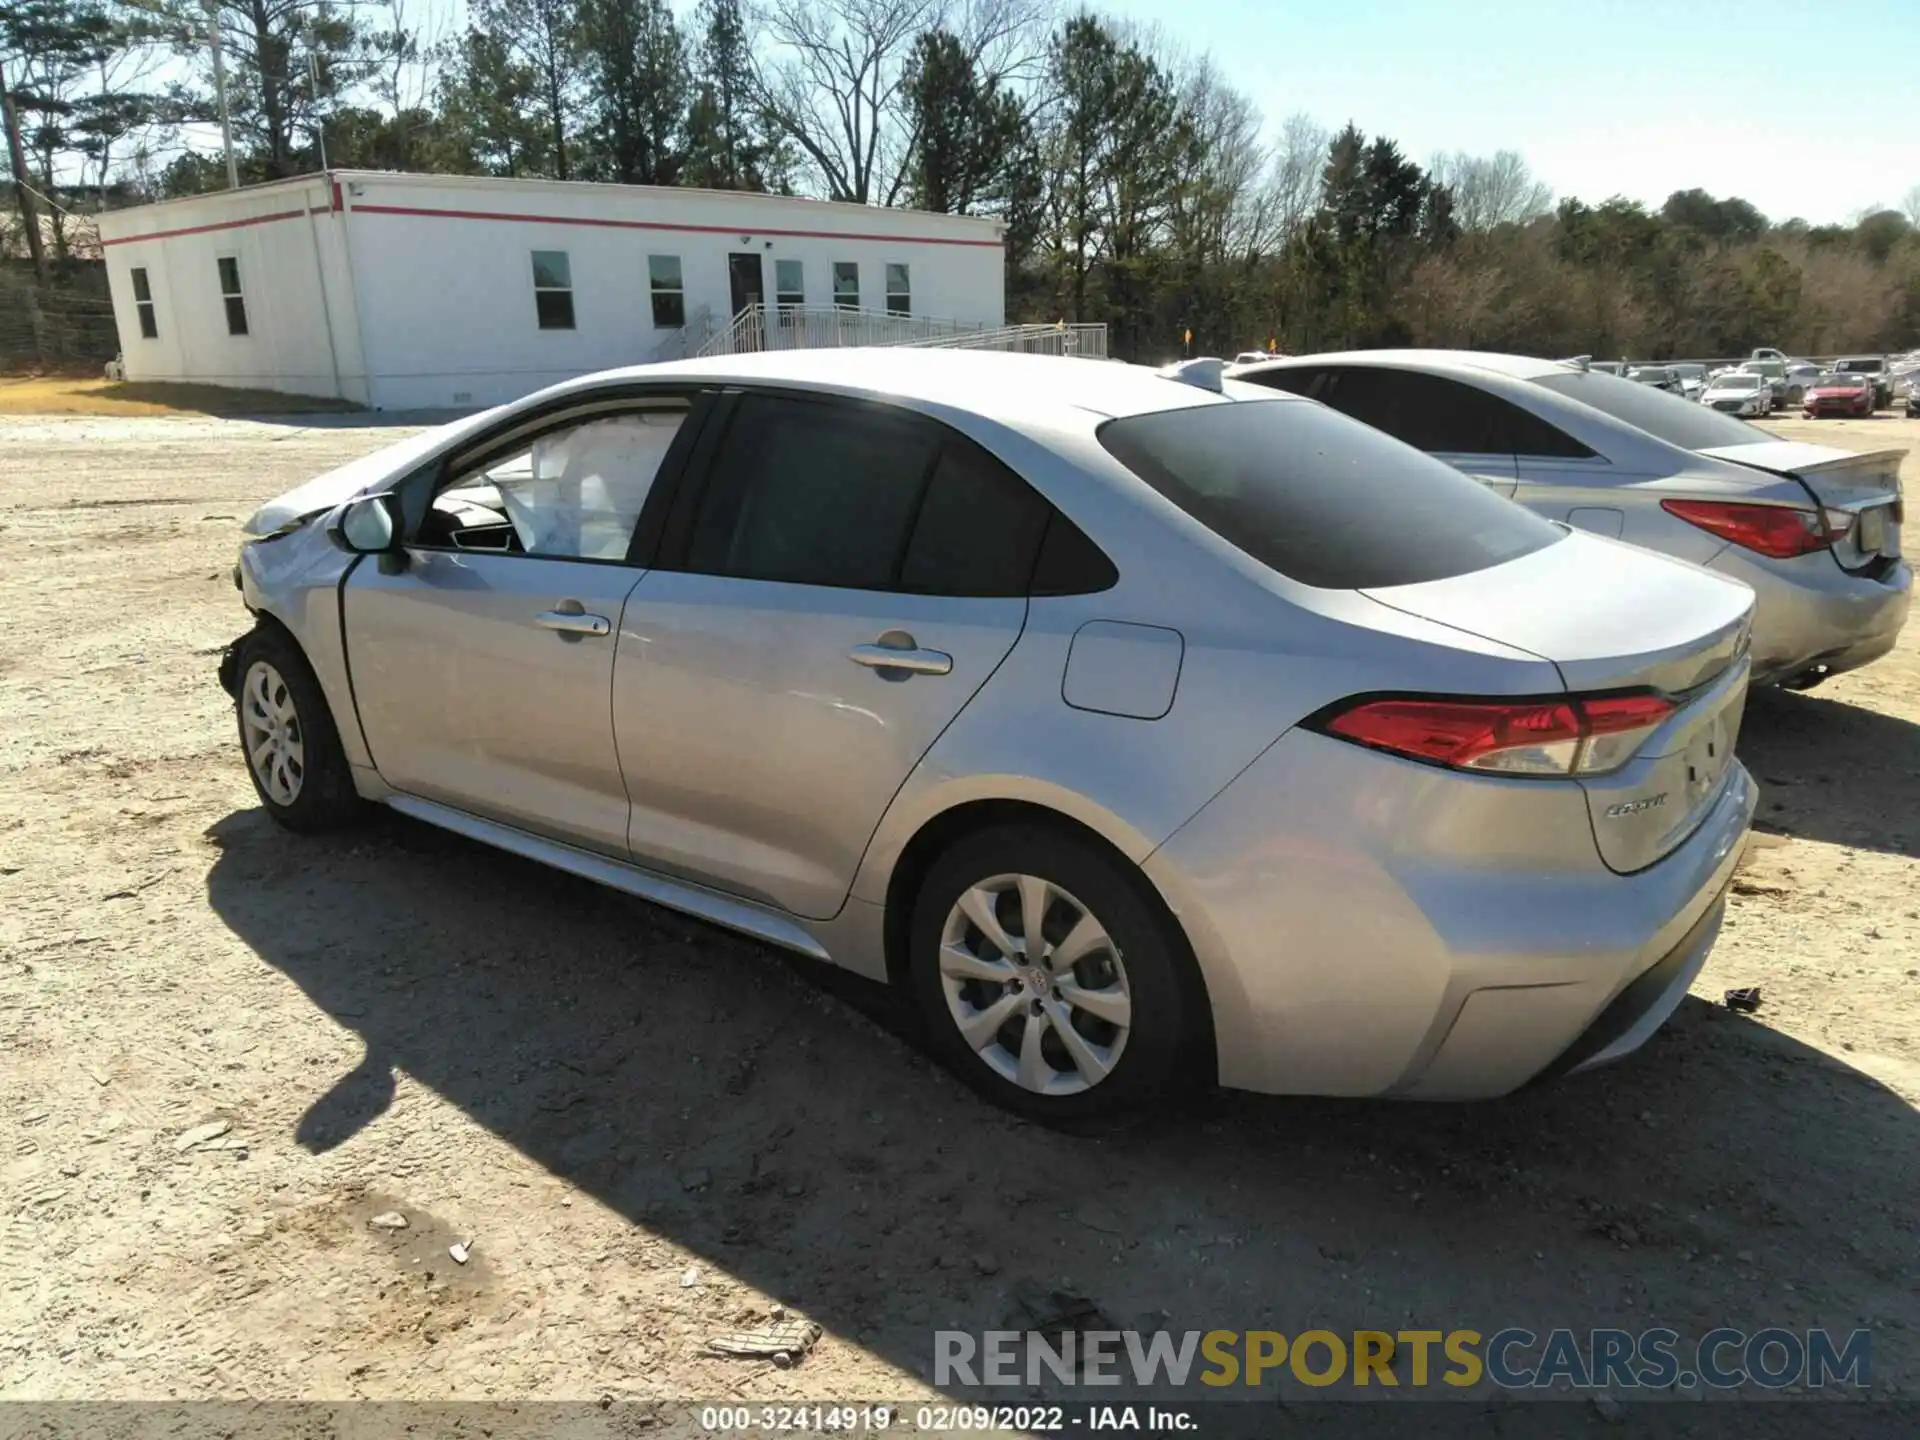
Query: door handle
{"x":574,"y":622}
{"x":909,"y":658}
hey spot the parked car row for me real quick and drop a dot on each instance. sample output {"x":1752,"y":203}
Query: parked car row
{"x":1789,"y":383}
{"x":1355,"y":724}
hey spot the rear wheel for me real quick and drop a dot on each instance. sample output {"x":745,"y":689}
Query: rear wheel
{"x":1048,"y":981}
{"x":288,"y":738}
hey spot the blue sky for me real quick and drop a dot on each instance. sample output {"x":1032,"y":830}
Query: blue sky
{"x":1603,"y":97}
{"x":1804,"y":107}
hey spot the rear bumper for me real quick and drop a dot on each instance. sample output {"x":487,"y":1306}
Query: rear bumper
{"x":1414,"y":933}
{"x":1644,"y":1006}
{"x":1809,"y":612}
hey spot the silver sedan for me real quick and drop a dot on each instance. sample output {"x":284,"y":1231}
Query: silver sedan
{"x":1140,"y":728}
{"x":1814,"y":530}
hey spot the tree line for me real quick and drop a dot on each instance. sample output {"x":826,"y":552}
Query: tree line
{"x":1135,"y":185}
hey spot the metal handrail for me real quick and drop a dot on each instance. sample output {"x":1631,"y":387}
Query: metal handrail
{"x":1086,"y":340}
{"x":813,"y":327}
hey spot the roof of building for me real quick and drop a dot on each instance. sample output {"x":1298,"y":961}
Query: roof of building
{"x":589,"y":190}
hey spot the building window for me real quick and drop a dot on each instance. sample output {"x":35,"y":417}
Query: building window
{"x":553,"y":289}
{"x":846,"y":284}
{"x":899,"y":291}
{"x":669,"y":295}
{"x":143,"y":303}
{"x":789,"y":284}
{"x":230,"y":294}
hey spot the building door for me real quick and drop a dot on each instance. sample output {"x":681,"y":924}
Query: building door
{"x":743,"y":275}
{"x":743,"y":278}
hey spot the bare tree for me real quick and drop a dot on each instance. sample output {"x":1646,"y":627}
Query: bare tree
{"x":828,"y":76}
{"x":1910,"y":206}
{"x":1293,"y":181}
{"x":1490,"y":190}
{"x":408,"y":72}
{"x":1227,"y":207}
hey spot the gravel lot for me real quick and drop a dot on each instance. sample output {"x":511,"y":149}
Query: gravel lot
{"x":653,"y":1132}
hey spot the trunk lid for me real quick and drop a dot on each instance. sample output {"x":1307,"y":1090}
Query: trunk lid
{"x":1611,"y":616}
{"x":1865,"y":486}
{"x":1643,"y":810}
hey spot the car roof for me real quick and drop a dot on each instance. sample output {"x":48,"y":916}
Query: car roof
{"x":984,"y":381}
{"x":1518,"y":367}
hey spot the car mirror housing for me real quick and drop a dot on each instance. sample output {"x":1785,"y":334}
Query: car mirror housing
{"x":370,"y":525}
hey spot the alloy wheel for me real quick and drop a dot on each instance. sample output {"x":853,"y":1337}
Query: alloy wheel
{"x":275,"y":742}
{"x":1035,"y":985}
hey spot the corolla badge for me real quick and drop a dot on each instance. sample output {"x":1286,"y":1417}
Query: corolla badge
{"x":1634,"y":807}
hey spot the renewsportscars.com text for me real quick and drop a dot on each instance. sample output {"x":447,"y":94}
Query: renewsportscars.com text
{"x":1512,"y":1358}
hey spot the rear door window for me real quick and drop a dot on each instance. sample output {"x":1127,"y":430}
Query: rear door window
{"x":1433,"y":413}
{"x":1671,"y":418}
{"x":1320,"y":498}
{"x":819,"y":492}
{"x":813,"y":494}
{"x":978,"y":530}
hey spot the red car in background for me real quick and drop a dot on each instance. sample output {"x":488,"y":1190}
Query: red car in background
{"x":1839,"y":395}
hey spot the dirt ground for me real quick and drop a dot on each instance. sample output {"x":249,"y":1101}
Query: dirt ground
{"x":43,"y":395}
{"x":652,"y":1132}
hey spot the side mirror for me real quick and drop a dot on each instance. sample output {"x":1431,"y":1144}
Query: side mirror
{"x":370,"y":525}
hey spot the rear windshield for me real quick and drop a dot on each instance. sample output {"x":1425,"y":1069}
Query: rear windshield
{"x":1671,"y":418}
{"x":1862,"y":367}
{"x":1322,"y":499}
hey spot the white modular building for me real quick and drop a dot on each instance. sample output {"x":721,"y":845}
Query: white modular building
{"x":400,"y":291}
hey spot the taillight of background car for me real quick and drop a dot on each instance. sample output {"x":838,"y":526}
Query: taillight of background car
{"x":1778,"y":531}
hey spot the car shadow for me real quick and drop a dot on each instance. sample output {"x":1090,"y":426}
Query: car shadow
{"x":712,"y":1093}
{"x":1833,"y":771}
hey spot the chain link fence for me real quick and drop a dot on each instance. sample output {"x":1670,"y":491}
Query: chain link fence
{"x":64,"y":325}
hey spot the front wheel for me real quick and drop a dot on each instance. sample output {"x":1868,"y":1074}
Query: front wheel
{"x":1047,"y":979}
{"x":288,"y":739}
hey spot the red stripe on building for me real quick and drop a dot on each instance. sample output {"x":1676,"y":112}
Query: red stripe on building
{"x":204,"y":229}
{"x":608,"y":224}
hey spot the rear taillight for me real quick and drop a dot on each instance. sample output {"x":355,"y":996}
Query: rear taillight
{"x":1577,"y":735}
{"x":1779,"y":531}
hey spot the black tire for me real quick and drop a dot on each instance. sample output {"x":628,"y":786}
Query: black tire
{"x":322,"y":796}
{"x":1165,"y":1044}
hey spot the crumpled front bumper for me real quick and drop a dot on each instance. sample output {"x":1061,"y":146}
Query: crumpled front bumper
{"x":230,"y":667}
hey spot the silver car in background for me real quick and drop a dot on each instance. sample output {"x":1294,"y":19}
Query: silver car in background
{"x":1137,"y":727}
{"x":1692,"y":376}
{"x":1660,"y":377}
{"x":1814,"y":530}
{"x":1739,"y":392}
